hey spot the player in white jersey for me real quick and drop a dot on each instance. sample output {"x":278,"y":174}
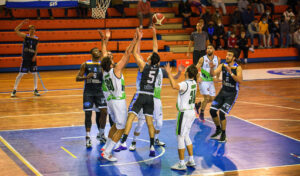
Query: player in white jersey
{"x":206,"y":86}
{"x":186,"y":114}
{"x":114,"y":82}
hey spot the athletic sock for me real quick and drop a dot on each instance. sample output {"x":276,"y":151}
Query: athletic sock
{"x":191,"y":158}
{"x":101,"y":131}
{"x":88,"y":134}
{"x":110,"y":147}
{"x":124,"y":138}
{"x":182,"y":162}
{"x":35,"y":79}
{"x":156,"y":136}
{"x":151,"y":142}
{"x":134,"y":138}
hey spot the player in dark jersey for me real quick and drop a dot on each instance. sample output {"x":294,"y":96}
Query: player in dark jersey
{"x":231,"y":78}
{"x":93,"y":97}
{"x":29,"y":53}
{"x":145,"y":93}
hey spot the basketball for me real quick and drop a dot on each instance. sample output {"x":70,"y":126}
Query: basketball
{"x":158,"y":19}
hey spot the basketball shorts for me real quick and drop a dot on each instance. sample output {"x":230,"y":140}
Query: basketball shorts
{"x":207,"y":88}
{"x":28,"y":66}
{"x":91,"y":101}
{"x":185,"y":121}
{"x":157,"y":112}
{"x":118,"y":110}
{"x":224,"y":101}
{"x":142,"y":102}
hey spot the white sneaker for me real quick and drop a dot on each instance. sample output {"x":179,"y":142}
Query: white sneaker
{"x":190,"y":163}
{"x":179,"y":166}
{"x":108,"y":157}
{"x":159,"y":143}
{"x":132,"y":147}
{"x":251,"y":49}
{"x":88,"y":142}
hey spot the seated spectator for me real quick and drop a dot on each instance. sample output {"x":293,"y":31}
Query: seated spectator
{"x":268,"y":15}
{"x":236,"y":20}
{"x":119,"y":6}
{"x":197,"y":4}
{"x":258,"y":5}
{"x":253,"y":31}
{"x":38,"y":12}
{"x":219,"y":3}
{"x":270,"y":5}
{"x":247,"y":16}
{"x":217,"y":16}
{"x":242,"y":5}
{"x":227,"y":35}
{"x":232,"y":42}
{"x":243,"y":45}
{"x":264,"y":33}
{"x":293,"y":27}
{"x":288,"y":13}
{"x":207,"y":16}
{"x":185,"y":12}
{"x":274,"y":31}
{"x":144,"y":11}
{"x":284,"y":32}
{"x":219,"y":34}
{"x":211,"y":31}
{"x":296,"y":37}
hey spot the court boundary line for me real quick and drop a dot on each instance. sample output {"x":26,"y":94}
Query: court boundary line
{"x":261,"y":104}
{"x":70,"y":153}
{"x":20,"y":157}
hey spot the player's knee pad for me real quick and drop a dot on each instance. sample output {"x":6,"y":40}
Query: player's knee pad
{"x":180,"y":140}
{"x":88,"y":119}
{"x":222,"y":115}
{"x":213,"y":112}
{"x":158,"y":124}
{"x":139,"y":125}
{"x":187,"y":140}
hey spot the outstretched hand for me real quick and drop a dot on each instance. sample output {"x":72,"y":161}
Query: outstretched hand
{"x":140,"y":34}
{"x":181,"y":67}
{"x":100,"y":33}
{"x":107,"y":33}
{"x":168,"y":68}
{"x":228,"y":69}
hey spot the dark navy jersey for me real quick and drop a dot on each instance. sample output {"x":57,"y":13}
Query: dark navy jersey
{"x":29,"y":47}
{"x":93,"y":85}
{"x":148,"y":79}
{"x":228,"y":83}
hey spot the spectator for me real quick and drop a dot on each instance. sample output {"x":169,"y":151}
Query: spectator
{"x":119,"y":6}
{"x":253,"y":31}
{"x":268,"y":15}
{"x":232,"y":42}
{"x":274,"y":31}
{"x":216,"y":16}
{"x":242,"y":5}
{"x":292,"y":4}
{"x":38,"y":12}
{"x":243,"y":45}
{"x":284,"y":32}
{"x":198,"y":39}
{"x":197,"y":4}
{"x":270,"y":5}
{"x":185,"y":12}
{"x":227,"y":35}
{"x":288,"y":14}
{"x":236,"y":20}
{"x":219,"y":3}
{"x":211,"y":31}
{"x":297,"y":41}
{"x":247,"y":16}
{"x":144,"y":11}
{"x":207,"y":16}
{"x":219,"y":34}
{"x":258,"y":5}
{"x":293,"y":27}
{"x":264,"y":33}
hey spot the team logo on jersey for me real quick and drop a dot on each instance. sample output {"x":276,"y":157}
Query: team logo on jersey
{"x":285,"y":72}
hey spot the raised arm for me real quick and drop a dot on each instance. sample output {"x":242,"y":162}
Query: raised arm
{"x":218,"y":75}
{"x":172,"y":81}
{"x":80,"y":75}
{"x":17,"y":29}
{"x":165,"y":73}
{"x":200,"y":63}
{"x":214,"y":72}
{"x":104,"y":41}
{"x":155,"y":45}
{"x":140,"y":62}
{"x":191,"y":43}
{"x":239,"y":74}
{"x":123,"y":62}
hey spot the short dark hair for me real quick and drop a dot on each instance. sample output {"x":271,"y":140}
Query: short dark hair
{"x":192,"y":71}
{"x":106,"y":63}
{"x":210,"y":45}
{"x":154,"y":58}
{"x":234,"y":52}
{"x":91,"y":51}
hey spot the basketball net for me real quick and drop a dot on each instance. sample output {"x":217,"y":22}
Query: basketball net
{"x":100,"y":11}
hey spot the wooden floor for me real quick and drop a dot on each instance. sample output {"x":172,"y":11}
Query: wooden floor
{"x":273,"y":104}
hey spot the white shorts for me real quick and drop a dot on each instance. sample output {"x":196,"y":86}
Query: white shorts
{"x":207,"y":88}
{"x":118,"y":109}
{"x":157,"y":113}
{"x":185,"y":120}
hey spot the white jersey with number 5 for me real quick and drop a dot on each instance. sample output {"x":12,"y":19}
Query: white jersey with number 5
{"x":187,"y":95}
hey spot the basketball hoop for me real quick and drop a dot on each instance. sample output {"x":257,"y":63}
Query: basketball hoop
{"x":100,"y":10}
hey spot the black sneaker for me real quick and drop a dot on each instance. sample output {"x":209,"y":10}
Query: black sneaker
{"x":88,"y":142}
{"x":201,"y":116}
{"x":223,"y":137}
{"x":13,"y":94}
{"x":216,"y":134}
{"x":197,"y":106}
{"x":36,"y":92}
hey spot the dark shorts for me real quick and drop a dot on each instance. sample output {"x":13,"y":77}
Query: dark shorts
{"x":224,"y":101}
{"x":142,"y":101}
{"x":90,"y":102}
{"x":28,"y":66}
